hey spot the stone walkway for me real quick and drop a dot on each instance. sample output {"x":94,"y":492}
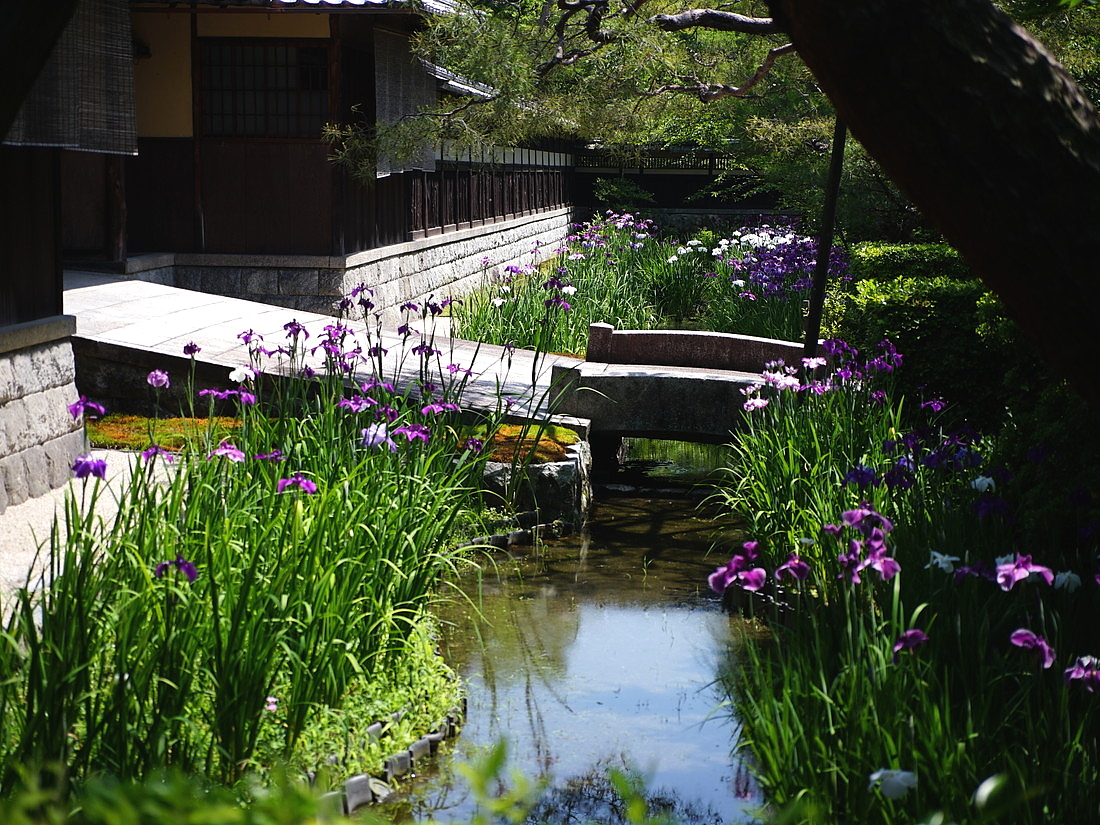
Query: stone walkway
{"x":115,"y":313}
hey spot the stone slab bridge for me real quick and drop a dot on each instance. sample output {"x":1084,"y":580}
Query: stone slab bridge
{"x":673,"y":385}
{"x":666,"y":384}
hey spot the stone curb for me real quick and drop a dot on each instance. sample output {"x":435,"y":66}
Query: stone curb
{"x":363,"y":789}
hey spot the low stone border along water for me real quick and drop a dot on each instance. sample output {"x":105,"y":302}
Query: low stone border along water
{"x":363,"y":789}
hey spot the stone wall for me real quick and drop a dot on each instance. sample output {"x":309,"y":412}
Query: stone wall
{"x":450,"y":264}
{"x":38,"y":437}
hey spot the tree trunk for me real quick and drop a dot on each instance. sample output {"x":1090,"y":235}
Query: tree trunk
{"x":988,"y":135}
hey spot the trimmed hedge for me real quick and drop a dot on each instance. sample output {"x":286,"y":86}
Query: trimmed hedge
{"x":935,"y":322}
{"x":887,"y":261}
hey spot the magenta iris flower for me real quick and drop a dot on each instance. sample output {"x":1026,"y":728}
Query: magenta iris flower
{"x":794,"y":567}
{"x":294,"y":329}
{"x":84,"y":466}
{"x":1086,"y":670}
{"x":877,"y":559}
{"x":243,"y":396}
{"x":737,"y":571}
{"x":82,"y":406}
{"x":297,"y":480}
{"x":153,"y":451}
{"x":1011,"y":572}
{"x":181,"y":564}
{"x":909,"y":640}
{"x":1028,"y":640}
{"x":227,"y":450}
{"x":158,"y":379}
{"x":438,"y":407}
{"x":474,"y":445}
{"x":413,"y":432}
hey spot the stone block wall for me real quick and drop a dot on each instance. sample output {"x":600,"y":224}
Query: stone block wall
{"x":451,"y":264}
{"x":38,"y":437}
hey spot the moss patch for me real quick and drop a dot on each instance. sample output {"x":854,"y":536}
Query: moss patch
{"x":517,"y":442}
{"x":134,"y":432}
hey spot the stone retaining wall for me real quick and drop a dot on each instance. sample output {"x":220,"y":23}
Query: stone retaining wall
{"x":445,"y":265}
{"x":38,"y":437}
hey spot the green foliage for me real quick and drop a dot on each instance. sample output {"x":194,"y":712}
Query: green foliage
{"x":825,"y":699}
{"x":165,"y":799}
{"x":886,"y":261}
{"x":935,"y":322}
{"x":620,"y":194}
{"x":248,"y":594}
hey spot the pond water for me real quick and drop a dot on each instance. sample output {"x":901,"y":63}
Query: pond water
{"x":594,"y":652}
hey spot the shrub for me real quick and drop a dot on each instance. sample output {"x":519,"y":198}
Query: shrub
{"x":887,"y":261}
{"x":935,"y":322}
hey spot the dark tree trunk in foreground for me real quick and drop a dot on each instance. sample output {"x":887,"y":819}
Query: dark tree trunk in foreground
{"x":989,"y":137}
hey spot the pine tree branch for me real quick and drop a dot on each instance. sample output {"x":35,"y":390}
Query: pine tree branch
{"x":725,"y":21}
{"x":709,"y":92}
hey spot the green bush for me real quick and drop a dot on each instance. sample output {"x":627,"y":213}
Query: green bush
{"x":886,"y":261}
{"x":168,"y":799}
{"x":935,"y":322}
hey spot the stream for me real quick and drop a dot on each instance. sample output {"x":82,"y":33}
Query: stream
{"x":595,"y":652}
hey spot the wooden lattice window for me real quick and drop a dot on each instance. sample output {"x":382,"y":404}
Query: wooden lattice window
{"x":263,"y":88}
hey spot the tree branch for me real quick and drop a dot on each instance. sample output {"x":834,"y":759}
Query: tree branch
{"x":709,"y":92}
{"x":725,"y":21}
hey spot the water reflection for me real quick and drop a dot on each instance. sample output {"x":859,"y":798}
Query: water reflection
{"x":593,"y":652}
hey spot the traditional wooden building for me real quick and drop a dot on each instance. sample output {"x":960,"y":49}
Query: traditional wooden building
{"x":77,"y":99}
{"x":233,"y":190}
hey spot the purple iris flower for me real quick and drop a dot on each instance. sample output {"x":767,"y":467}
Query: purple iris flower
{"x":227,"y":450}
{"x":909,"y":640}
{"x":736,"y":570}
{"x":246,"y":398}
{"x":82,"y":406}
{"x":84,"y":466}
{"x":153,"y":451}
{"x":181,"y":564}
{"x":413,"y":432}
{"x":297,"y":480}
{"x":1086,"y":670}
{"x":899,"y":477}
{"x":794,"y":567}
{"x":294,"y":329}
{"x":158,"y":379}
{"x":877,"y":558}
{"x":1011,"y":572}
{"x":474,"y":445}
{"x":980,"y":568}
{"x":274,"y":455}
{"x":862,"y":476}
{"x":1028,"y":640}
{"x":865,"y":519}
{"x":376,"y":435}
{"x":851,"y":562}
{"x":191,"y":348}
{"x":357,"y":403}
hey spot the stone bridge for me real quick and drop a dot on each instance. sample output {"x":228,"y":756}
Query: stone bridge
{"x":668,"y":384}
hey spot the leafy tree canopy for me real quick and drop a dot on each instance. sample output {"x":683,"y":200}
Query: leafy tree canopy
{"x":617,"y":74}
